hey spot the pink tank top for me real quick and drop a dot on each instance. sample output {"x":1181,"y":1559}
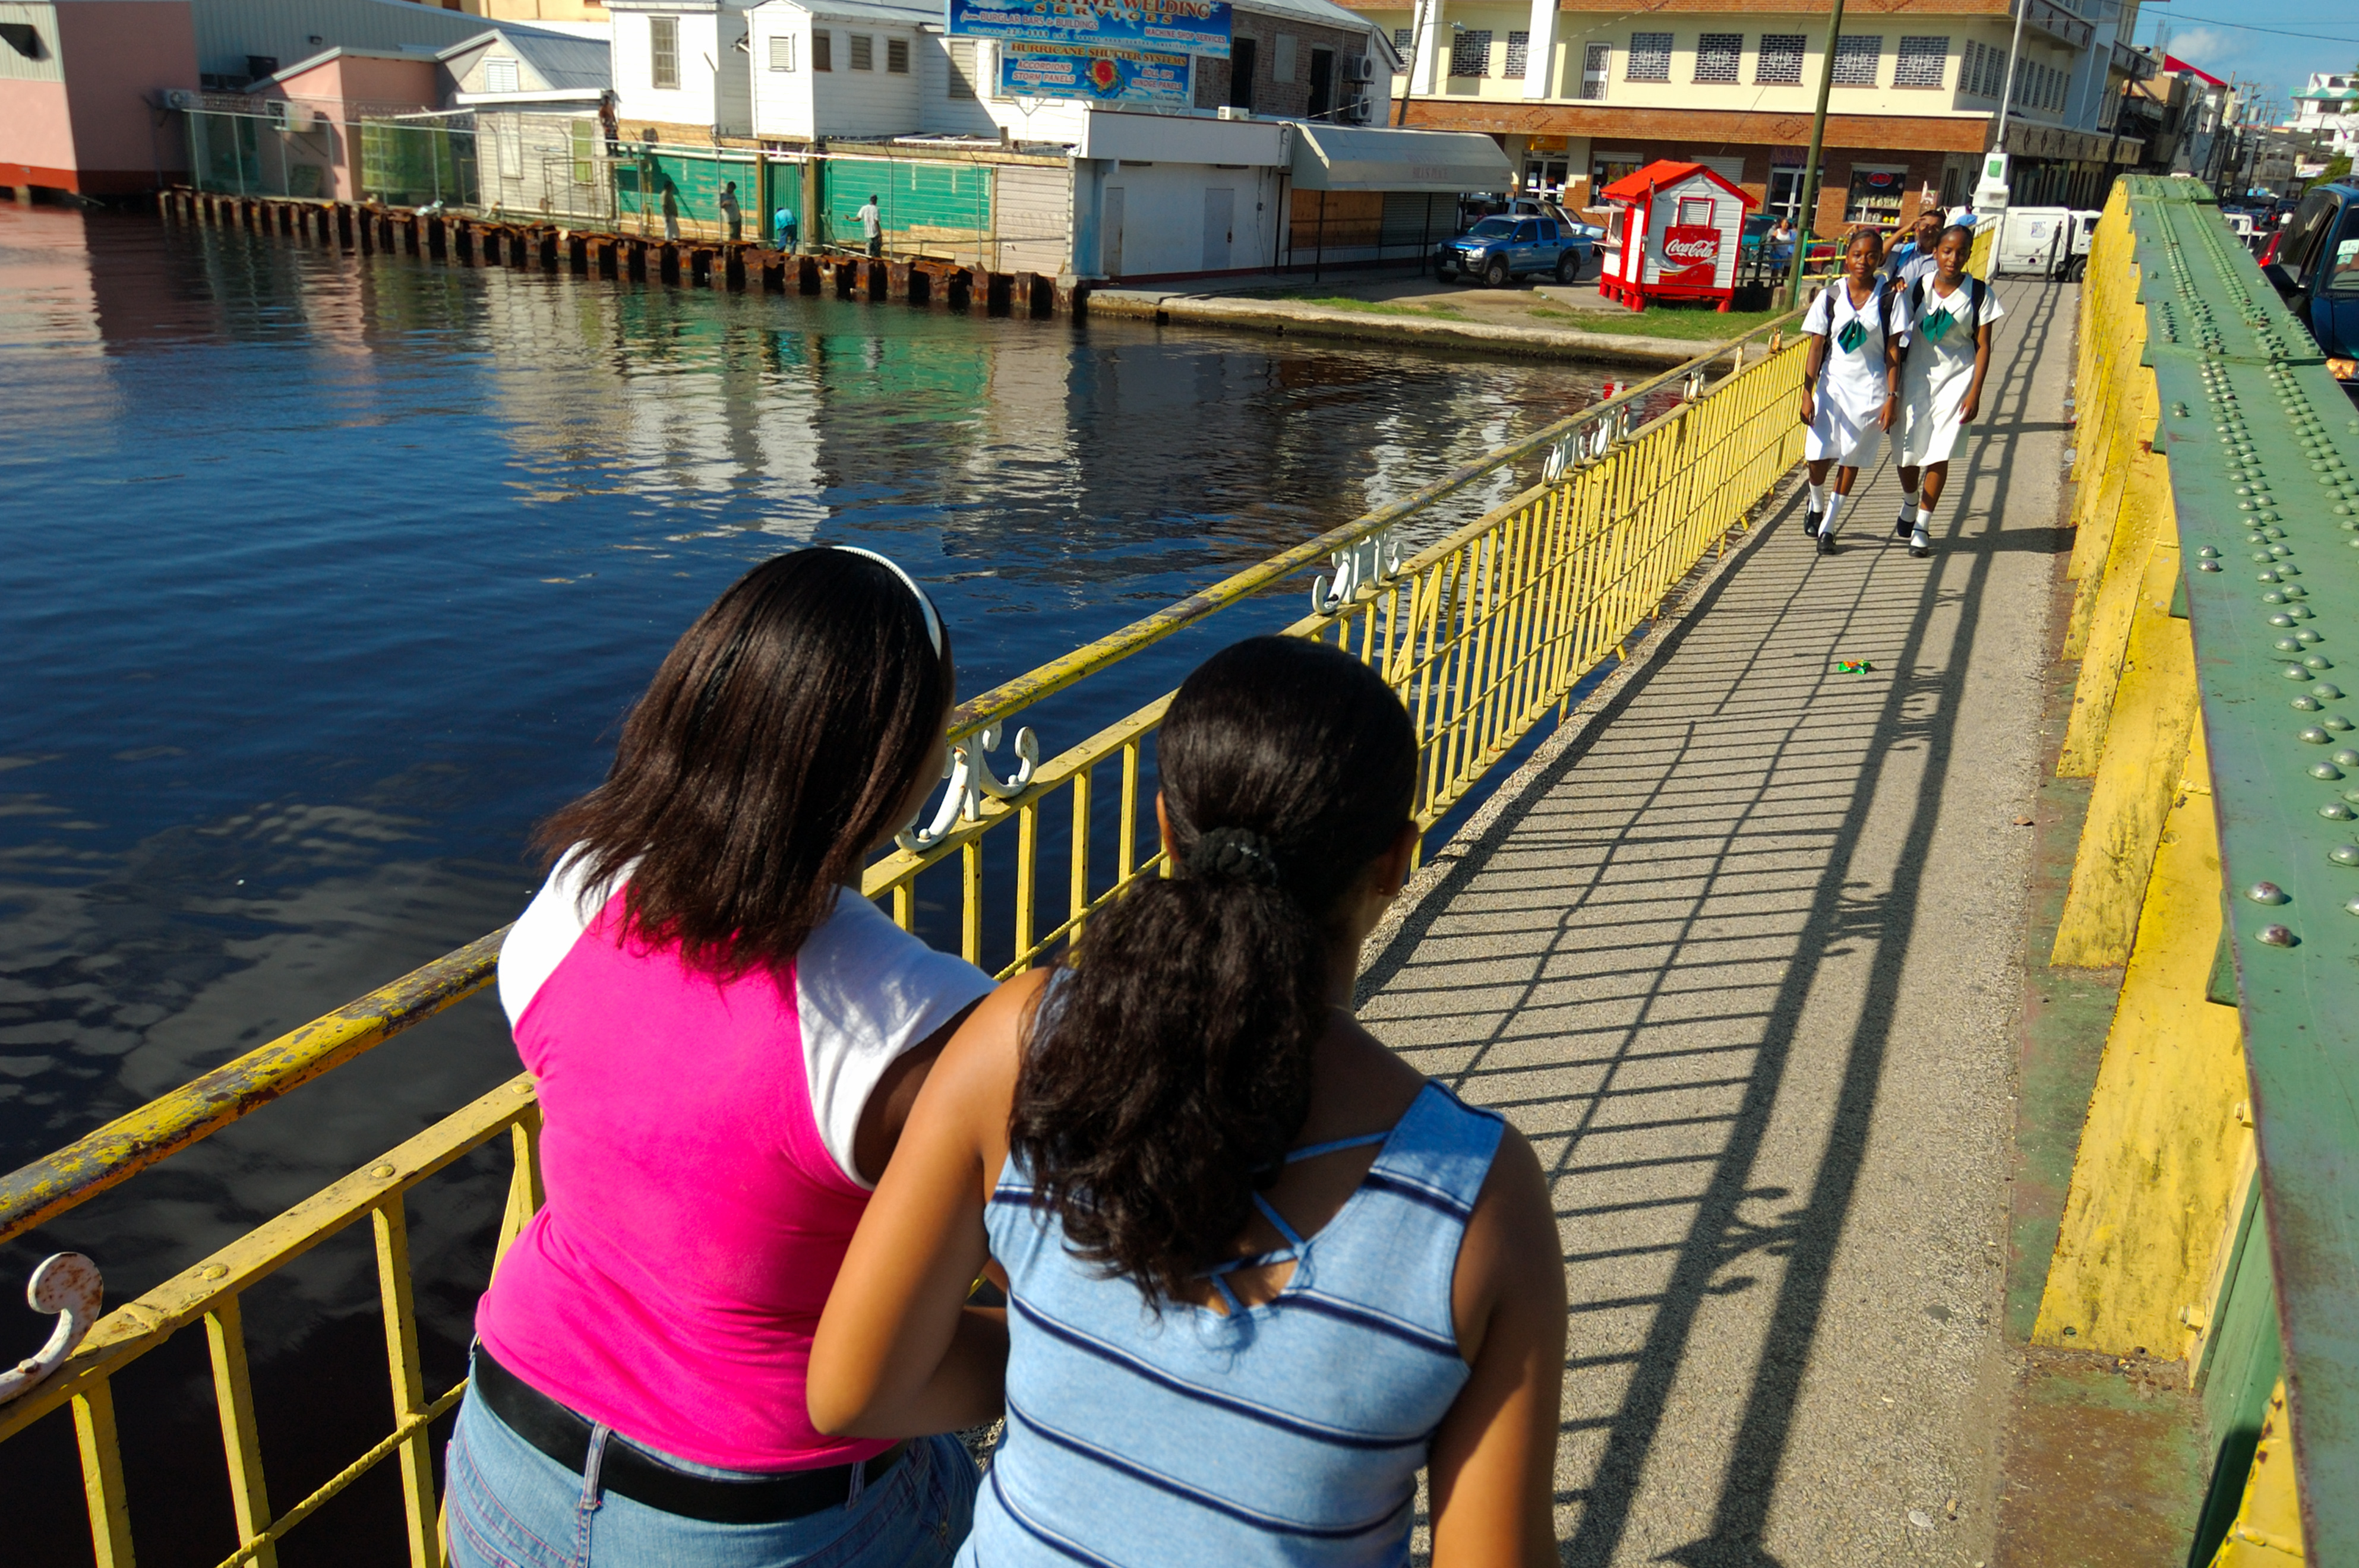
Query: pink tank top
{"x":696,"y":1161}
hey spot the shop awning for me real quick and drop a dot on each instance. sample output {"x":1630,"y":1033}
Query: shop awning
{"x":1357,"y":157}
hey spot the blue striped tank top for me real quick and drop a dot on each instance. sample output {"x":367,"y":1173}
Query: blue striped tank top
{"x":1290,"y":1432}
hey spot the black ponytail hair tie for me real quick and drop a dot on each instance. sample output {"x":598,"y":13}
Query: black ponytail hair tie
{"x":1232,"y":854}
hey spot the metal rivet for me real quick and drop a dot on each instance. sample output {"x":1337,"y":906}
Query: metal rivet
{"x":2306,"y":704}
{"x":2207,"y":566}
{"x":2335,"y":722}
{"x":2207,"y":552}
{"x":2344,"y":854}
{"x":380,"y":1171}
{"x":2337,"y":811}
{"x":2327,"y":690}
{"x":2313,"y":735}
{"x":2281,"y":618}
{"x":2267,"y":576}
{"x":2294,"y":672}
{"x":2273,"y":596}
{"x":215,"y":1271}
{"x":2317,"y":662}
{"x":2265,"y":893}
{"x":2324,"y":770}
{"x":2346,"y":758}
{"x":2277,"y":937}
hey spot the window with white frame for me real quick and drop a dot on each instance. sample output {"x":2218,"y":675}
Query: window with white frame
{"x":1718,"y":55}
{"x":782,"y":51}
{"x":1924,"y":61}
{"x":1470,"y":52}
{"x":663,"y":52}
{"x":864,"y":51}
{"x":896,"y":56}
{"x":823,"y":50}
{"x":1858,"y":56}
{"x":1519,"y":47}
{"x":962,"y":79}
{"x":1596,"y":69}
{"x":1650,"y":58}
{"x":1780,"y":63}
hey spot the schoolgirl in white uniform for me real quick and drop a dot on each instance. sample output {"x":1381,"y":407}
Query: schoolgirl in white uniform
{"x":1942,"y":369}
{"x":1851,"y":380}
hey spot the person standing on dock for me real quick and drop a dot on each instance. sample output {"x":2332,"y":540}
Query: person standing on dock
{"x":1260,"y":1272}
{"x":670,"y":208}
{"x":871,"y":227}
{"x":1943,"y":361}
{"x":1850,"y":379}
{"x":729,"y":213}
{"x":726,"y":1039}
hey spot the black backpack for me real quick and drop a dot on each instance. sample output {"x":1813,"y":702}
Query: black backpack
{"x":1976,"y":292}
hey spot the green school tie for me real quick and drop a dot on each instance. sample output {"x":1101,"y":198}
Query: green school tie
{"x":1852,"y":336}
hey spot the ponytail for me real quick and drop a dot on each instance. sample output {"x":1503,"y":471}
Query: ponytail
{"x":1170,"y":1069}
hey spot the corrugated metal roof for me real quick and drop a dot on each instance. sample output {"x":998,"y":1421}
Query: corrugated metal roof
{"x":228,"y":31}
{"x":1360,"y":157}
{"x":862,"y":10}
{"x":561,"y":61}
{"x":1323,"y":12}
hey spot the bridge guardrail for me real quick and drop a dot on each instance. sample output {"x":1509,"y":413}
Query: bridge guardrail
{"x":2213,"y":1212}
{"x":1484,"y":632}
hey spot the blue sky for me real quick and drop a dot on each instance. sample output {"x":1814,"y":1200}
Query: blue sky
{"x":2200,"y":35}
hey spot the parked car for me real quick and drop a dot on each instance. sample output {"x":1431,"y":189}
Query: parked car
{"x":1500,"y":248}
{"x":2314,"y":264}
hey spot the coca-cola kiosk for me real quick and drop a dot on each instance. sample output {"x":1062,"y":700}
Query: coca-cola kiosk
{"x":1673,"y":233}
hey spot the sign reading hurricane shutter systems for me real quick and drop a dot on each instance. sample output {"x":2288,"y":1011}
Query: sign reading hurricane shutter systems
{"x":1164,"y":27}
{"x":1096,"y":73}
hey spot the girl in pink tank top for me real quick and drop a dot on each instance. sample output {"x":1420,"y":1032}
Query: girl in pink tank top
{"x":725,"y":1039}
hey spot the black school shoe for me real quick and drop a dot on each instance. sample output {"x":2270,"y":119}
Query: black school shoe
{"x":1826,"y":543}
{"x":1811,"y":523}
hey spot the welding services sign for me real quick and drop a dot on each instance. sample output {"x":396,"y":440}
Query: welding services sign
{"x":1104,"y":75}
{"x":1165,"y":26}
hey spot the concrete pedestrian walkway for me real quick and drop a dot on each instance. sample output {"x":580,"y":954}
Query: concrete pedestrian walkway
{"x":1744,"y":961}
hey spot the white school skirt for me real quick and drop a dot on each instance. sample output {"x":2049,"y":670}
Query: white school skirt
{"x":1933,"y":398}
{"x":1843,"y":430}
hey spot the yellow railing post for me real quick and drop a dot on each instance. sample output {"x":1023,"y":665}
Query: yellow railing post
{"x":418,"y":1505}
{"x":234,"y":1397}
{"x":101,"y":1476}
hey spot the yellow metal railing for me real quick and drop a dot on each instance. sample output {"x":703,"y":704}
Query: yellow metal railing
{"x":1484,"y":632}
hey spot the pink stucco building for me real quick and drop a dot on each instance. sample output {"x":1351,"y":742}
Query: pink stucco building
{"x":81,"y":94}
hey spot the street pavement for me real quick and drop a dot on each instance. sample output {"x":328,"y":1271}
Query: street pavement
{"x":1744,"y":963}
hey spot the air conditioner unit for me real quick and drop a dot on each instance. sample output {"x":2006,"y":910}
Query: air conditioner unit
{"x":1359,"y":68}
{"x":183,"y":98}
{"x":1230,"y":111}
{"x":299,"y":118}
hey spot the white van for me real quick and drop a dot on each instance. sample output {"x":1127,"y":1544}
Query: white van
{"x":2034,"y":240}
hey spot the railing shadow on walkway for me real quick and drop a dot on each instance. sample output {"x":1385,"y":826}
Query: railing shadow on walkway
{"x":1637,"y":939}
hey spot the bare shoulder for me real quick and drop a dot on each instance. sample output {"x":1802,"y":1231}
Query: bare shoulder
{"x":1512,"y":1253}
{"x":973,"y":1085}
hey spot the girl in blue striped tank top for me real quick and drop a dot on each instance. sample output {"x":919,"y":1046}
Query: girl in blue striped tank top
{"x":1259,"y":1272}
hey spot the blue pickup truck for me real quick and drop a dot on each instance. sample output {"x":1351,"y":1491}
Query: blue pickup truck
{"x":1499,"y":249}
{"x":2314,"y":264}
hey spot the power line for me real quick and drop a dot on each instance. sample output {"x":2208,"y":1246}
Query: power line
{"x":2247,"y":26}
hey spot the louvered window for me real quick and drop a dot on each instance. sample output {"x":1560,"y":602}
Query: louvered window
{"x":782,"y":51}
{"x":896,"y":56}
{"x":663,"y":52}
{"x":963,"y":78}
{"x":864,"y":52}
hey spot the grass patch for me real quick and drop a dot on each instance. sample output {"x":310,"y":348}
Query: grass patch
{"x":1686,"y":323}
{"x":1378,"y":307}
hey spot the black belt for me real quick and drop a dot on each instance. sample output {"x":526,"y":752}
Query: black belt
{"x":630,"y":1472}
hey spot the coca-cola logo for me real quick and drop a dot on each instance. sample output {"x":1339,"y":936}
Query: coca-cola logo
{"x":1689,"y":254}
{"x":1692,"y":250}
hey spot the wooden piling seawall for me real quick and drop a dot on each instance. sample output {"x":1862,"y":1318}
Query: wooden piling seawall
{"x":462,"y":240}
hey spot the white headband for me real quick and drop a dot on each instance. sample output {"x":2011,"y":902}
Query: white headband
{"x":933,"y":621}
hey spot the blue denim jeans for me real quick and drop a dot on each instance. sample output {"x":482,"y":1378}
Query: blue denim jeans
{"x":511,"y":1505}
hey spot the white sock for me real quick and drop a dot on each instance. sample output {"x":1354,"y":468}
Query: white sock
{"x":1817,"y":498}
{"x":1924,"y":517}
{"x":1827,"y":522}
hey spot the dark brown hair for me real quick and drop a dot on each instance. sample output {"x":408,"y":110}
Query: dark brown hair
{"x":774,"y":746}
{"x":1169,"y":1069}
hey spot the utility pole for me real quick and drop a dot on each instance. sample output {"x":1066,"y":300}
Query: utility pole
{"x":2006,"y":93}
{"x":1808,"y":209}
{"x":1416,"y":19}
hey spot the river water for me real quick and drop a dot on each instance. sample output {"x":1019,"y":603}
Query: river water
{"x":327,"y":576}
